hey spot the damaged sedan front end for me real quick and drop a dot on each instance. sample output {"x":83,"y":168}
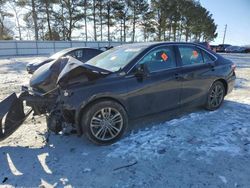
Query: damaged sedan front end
{"x":44,"y":95}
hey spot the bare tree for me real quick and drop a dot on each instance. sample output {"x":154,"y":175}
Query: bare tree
{"x":13,"y":5}
{"x":5,"y":33}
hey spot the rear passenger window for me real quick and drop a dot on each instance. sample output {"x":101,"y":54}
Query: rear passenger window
{"x":190,"y":55}
{"x":159,"y":59}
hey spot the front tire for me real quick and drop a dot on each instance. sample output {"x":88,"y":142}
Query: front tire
{"x":216,"y":96}
{"x":104,"y":122}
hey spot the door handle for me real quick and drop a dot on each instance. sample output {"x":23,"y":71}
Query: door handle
{"x":212,"y":66}
{"x":178,"y":76}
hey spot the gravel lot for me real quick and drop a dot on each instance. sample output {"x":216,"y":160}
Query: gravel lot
{"x":196,"y":149}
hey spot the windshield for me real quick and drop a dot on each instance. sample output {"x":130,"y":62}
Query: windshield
{"x":115,"y":58}
{"x":59,"y":54}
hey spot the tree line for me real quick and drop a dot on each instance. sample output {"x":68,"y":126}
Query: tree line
{"x":107,"y":20}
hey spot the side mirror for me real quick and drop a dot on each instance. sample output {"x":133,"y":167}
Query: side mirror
{"x":141,"y":71}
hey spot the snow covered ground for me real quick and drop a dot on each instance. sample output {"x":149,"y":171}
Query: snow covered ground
{"x":194,"y":149}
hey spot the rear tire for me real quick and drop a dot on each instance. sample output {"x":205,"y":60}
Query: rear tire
{"x":104,"y":122}
{"x":216,"y":96}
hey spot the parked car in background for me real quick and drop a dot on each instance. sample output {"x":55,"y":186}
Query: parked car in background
{"x":231,"y":49}
{"x":247,"y":48}
{"x":83,"y":54}
{"x":236,"y":49}
{"x":213,"y":47}
{"x":242,"y":49}
{"x":222,"y":47}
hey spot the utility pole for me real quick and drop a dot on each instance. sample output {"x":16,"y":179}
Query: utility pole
{"x":225,"y":31}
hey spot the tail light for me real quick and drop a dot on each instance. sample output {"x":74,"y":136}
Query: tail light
{"x":208,"y":46}
{"x":233,"y":66}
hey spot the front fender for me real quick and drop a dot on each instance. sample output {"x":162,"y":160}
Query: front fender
{"x":85,"y":104}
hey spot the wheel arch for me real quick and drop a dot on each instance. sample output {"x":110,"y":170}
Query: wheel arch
{"x":87,"y":105}
{"x":224,"y":82}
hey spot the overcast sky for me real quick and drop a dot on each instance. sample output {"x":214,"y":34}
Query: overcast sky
{"x":234,"y":13}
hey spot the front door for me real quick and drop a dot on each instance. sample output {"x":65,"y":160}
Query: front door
{"x":159,"y":89}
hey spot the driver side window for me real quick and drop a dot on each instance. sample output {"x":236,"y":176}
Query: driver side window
{"x":159,"y":59}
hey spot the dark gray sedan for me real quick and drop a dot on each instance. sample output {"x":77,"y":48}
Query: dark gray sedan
{"x":99,"y":97}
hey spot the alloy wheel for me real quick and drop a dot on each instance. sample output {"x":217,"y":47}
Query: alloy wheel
{"x":106,"y":124}
{"x":216,"y":96}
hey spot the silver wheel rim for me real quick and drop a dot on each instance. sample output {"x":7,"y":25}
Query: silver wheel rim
{"x":106,"y":124}
{"x":216,"y":96}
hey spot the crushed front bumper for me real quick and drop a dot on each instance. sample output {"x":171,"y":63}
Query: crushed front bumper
{"x":12,"y":115}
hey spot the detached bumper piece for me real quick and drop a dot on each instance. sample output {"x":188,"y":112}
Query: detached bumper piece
{"x":12,"y":115}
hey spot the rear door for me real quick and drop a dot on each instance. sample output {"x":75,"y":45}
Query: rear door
{"x":159,"y":90}
{"x":197,"y":74}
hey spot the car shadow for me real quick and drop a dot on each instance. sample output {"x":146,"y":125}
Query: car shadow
{"x":159,"y":118}
{"x":69,"y":160}
{"x":152,"y":120}
{"x":241,"y":83}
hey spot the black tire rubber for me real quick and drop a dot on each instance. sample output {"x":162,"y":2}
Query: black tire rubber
{"x":208,"y":104}
{"x":89,"y":113}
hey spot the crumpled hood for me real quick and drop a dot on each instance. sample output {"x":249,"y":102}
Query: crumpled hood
{"x":71,"y":65}
{"x":76,"y":71}
{"x":63,"y":71}
{"x":44,"y":78}
{"x":41,"y":72}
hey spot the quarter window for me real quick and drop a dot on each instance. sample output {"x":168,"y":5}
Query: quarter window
{"x":207,"y":58}
{"x":159,"y":59}
{"x":190,"y":55}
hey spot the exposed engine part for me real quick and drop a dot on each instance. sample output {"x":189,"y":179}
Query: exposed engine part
{"x":54,"y":122}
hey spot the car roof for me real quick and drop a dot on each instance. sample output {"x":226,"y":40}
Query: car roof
{"x":149,"y":44}
{"x":77,"y":48}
